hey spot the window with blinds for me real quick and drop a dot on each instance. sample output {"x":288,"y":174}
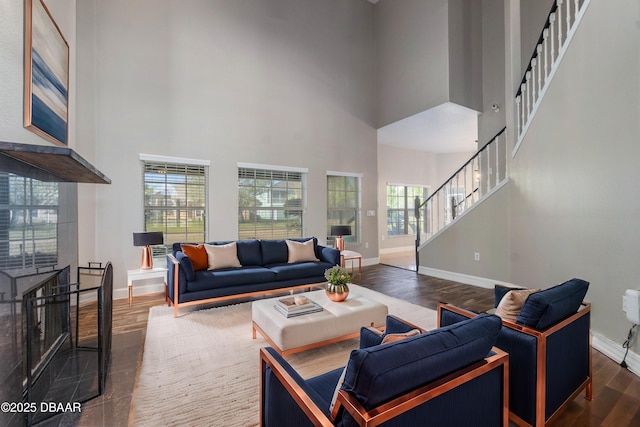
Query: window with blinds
{"x":175,"y":202}
{"x":28,"y":223}
{"x":343,"y":205}
{"x":401,"y":217}
{"x":270,"y":204}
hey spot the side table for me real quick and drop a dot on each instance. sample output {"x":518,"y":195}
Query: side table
{"x":351,"y":256}
{"x":138,"y":274}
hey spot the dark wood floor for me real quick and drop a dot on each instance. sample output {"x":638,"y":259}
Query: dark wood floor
{"x":616,"y":390}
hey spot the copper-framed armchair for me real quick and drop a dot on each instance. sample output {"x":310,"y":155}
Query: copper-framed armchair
{"x":549,"y":349}
{"x":429,"y":376}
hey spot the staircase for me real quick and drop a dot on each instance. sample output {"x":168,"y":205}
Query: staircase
{"x":477,"y":179}
{"x":487,"y":170}
{"x":555,"y":37}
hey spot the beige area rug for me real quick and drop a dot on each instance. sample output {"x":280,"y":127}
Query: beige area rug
{"x":202,"y":369}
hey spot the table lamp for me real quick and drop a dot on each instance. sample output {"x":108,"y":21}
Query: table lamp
{"x":145,"y":240}
{"x":338,"y":231}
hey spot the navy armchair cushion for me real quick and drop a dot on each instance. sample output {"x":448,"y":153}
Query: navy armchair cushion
{"x":378,"y":374}
{"x":546,"y":308}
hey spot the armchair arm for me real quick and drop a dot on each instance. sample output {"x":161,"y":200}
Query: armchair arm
{"x":490,"y":373}
{"x":285,"y":398}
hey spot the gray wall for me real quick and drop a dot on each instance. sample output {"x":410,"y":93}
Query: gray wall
{"x":484,"y":230}
{"x":574,"y":205}
{"x":413,"y":57}
{"x":533,"y":14}
{"x":273,"y":82}
{"x":465,"y":53}
{"x":573,"y":209}
{"x":493,"y":70}
{"x":428,"y":53}
{"x":11,"y":107}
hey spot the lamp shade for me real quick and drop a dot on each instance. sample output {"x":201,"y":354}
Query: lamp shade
{"x":148,"y":238}
{"x":341,"y":230}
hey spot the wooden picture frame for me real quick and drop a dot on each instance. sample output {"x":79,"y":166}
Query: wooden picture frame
{"x":46,"y":75}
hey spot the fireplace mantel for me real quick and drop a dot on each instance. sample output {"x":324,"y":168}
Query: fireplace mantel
{"x":48,"y":163}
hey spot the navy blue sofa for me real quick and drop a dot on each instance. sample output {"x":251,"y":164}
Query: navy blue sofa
{"x":549,"y":350}
{"x":264,"y":269}
{"x":451,"y":376}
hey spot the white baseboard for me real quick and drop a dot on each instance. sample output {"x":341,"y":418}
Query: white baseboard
{"x":399,"y":249}
{"x":370,"y":261}
{"x":462,"y":278}
{"x":615,"y":352}
{"x":604,"y":345}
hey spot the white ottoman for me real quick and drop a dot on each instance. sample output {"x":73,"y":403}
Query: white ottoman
{"x":336,"y":322}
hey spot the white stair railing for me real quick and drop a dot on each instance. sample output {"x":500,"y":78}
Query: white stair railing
{"x":475,"y":180}
{"x":558,"y":30}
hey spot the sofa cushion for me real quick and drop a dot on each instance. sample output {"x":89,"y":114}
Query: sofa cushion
{"x":197,"y":254}
{"x":380,"y":373}
{"x":300,"y":252}
{"x":389,"y":338}
{"x":249,"y":252}
{"x":227,"y":277}
{"x":186,"y":265}
{"x":299,"y":270}
{"x":222,"y":256}
{"x":273,"y":252}
{"x":546,"y":308}
{"x":511,"y":304}
{"x":499,"y":291}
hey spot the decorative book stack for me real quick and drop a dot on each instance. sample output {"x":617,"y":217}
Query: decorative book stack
{"x":296,"y":306}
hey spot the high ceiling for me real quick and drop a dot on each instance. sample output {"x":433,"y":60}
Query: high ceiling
{"x":447,"y":128}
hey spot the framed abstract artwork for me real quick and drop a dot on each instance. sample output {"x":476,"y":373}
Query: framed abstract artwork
{"x":46,"y":75}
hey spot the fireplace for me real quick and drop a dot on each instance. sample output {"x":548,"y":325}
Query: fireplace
{"x":38,"y":296}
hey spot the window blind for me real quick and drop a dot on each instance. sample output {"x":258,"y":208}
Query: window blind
{"x":175,"y":202}
{"x":343,"y":205}
{"x":270,"y":203}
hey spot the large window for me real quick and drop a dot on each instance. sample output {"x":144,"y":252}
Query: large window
{"x":401,"y":219}
{"x":175,"y":201}
{"x":343,"y":204}
{"x":28,"y":223}
{"x":270,"y":203}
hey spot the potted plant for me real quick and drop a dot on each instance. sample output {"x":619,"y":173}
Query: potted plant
{"x":337,"y":288}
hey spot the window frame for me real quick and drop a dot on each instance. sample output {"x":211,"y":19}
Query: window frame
{"x":407,"y":213}
{"x":250,"y":216}
{"x":175,"y":163}
{"x":43,"y":245}
{"x":356,"y":229}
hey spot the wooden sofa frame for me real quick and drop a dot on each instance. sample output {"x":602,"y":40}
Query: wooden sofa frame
{"x":541,"y":361}
{"x":176,"y":305}
{"x":389,"y":410}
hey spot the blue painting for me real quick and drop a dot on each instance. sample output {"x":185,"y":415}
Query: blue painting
{"x":46,"y":75}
